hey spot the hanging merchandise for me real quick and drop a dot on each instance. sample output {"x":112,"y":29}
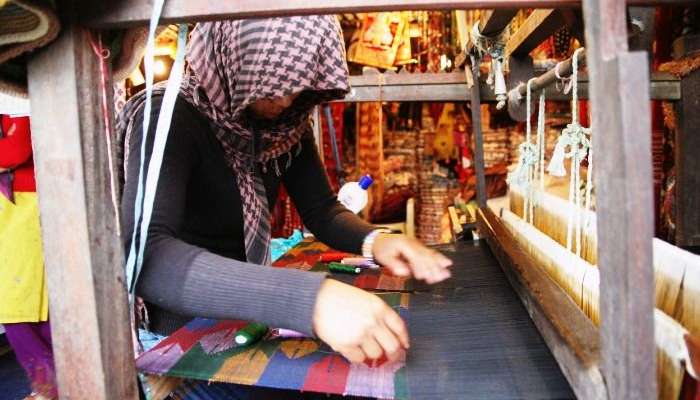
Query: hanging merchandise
{"x":369,"y":143}
{"x":444,"y":143}
{"x":383,"y":40}
{"x":493,"y":46}
{"x":574,"y":144}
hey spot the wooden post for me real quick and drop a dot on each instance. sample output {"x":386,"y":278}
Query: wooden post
{"x":478,"y":136}
{"x":687,"y":144}
{"x":82,"y":246}
{"x":622,"y":153}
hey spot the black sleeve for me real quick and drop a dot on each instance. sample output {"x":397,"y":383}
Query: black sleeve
{"x":332,"y":223}
{"x":188,"y":280}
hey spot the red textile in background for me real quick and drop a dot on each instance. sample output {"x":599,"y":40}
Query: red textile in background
{"x":16,"y":152}
{"x":284,"y":218}
{"x":337,"y":110}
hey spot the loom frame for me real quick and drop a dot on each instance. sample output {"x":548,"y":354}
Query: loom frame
{"x":82,"y":238}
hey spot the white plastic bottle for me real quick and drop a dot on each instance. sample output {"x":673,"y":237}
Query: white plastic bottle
{"x":353,"y":195}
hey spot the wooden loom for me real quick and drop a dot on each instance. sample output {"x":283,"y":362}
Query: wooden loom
{"x":676,"y":276}
{"x":83,"y":249}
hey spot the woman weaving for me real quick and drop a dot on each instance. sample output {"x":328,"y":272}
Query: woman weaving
{"x":240,"y":129}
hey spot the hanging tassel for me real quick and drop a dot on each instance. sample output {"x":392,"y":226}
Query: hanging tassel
{"x":500,"y":84}
{"x":556,"y":164}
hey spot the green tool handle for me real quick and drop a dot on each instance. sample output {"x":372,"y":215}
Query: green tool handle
{"x":250,"y":333}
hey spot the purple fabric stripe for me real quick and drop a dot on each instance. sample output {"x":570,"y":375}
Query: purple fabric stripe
{"x":31,"y":342}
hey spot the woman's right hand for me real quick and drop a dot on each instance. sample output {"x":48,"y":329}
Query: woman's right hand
{"x":358,"y":324}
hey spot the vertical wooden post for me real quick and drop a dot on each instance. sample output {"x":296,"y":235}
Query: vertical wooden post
{"x":622,"y":152}
{"x":82,"y":245}
{"x":478,"y":136}
{"x":687,"y":145}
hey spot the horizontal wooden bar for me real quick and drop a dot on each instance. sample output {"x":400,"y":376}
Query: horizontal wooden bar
{"x":494,"y":21}
{"x":540,"y":25}
{"x":110,"y":14}
{"x":569,"y":334}
{"x":452,"y":87}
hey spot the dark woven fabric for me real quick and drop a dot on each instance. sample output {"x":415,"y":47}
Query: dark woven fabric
{"x":232,"y":64}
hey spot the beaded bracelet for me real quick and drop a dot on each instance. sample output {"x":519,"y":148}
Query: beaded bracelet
{"x":368,"y":242}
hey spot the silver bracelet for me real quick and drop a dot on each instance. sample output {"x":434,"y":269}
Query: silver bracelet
{"x":368,"y":242}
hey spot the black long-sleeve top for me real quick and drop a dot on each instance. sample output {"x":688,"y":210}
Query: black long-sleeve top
{"x":193,"y":264}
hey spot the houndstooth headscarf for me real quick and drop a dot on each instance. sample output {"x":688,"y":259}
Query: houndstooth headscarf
{"x":235,"y":63}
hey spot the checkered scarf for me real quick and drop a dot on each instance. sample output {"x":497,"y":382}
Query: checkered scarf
{"x":235,"y":63}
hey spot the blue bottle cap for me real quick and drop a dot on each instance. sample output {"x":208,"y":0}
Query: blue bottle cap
{"x":365,"y":182}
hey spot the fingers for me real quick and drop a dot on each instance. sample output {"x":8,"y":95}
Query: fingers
{"x":398,"y":327}
{"x":354,"y":354}
{"x":426,"y":264}
{"x":371,"y":348}
{"x":388,"y":341}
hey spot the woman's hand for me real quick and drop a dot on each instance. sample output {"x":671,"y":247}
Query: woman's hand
{"x":405,"y":256}
{"x":358,"y":324}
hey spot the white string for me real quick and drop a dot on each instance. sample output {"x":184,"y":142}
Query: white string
{"x":540,"y":137}
{"x":532,"y":169}
{"x":161,"y":136}
{"x":131,"y":266}
{"x":575,"y":138}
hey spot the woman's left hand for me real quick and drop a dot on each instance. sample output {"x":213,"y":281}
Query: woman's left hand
{"x":405,"y":256}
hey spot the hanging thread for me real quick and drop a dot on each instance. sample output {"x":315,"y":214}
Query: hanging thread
{"x":102,"y":56}
{"x":574,"y":138}
{"x":528,"y":158}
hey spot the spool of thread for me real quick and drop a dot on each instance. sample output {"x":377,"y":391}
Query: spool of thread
{"x":344,"y":268}
{"x":250,"y":333}
{"x":359,"y":262}
{"x":333,"y":256}
{"x":288,"y":333}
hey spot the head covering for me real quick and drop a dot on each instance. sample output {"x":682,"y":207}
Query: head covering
{"x":232,"y":64}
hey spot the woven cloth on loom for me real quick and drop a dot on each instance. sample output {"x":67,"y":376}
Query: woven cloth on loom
{"x":305,"y":256}
{"x":205,"y":350}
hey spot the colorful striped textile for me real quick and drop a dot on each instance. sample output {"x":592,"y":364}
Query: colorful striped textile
{"x":306,"y":256}
{"x":205,"y":350}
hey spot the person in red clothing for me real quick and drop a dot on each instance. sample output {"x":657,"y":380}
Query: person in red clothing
{"x":23,"y":296}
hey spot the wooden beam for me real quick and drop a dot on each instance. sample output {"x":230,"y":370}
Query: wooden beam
{"x":686,"y":151}
{"x":540,"y":25}
{"x":452,"y":86}
{"x":82,"y":246}
{"x":110,"y":14}
{"x":569,"y":334}
{"x":624,"y":201}
{"x":494,"y":21}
